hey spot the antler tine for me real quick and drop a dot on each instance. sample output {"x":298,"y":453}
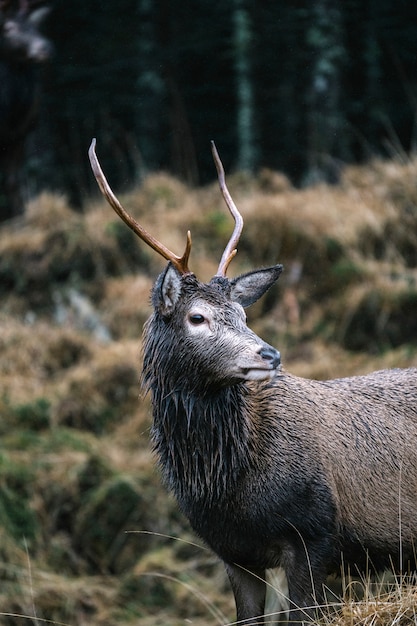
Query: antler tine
{"x":230,"y":249}
{"x":180,"y":263}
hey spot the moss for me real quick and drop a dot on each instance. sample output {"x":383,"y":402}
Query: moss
{"x":16,"y":516}
{"x":334,"y":249}
{"x":60,"y":440}
{"x":34,"y":415}
{"x":92,"y":474}
{"x":344,"y":273}
{"x":101,"y":524}
{"x":145,"y":592}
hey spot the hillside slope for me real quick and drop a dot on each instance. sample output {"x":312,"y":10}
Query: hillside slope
{"x":87,"y":531}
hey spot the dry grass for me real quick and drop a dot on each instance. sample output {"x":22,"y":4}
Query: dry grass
{"x":126,"y":305}
{"x":381,"y":605}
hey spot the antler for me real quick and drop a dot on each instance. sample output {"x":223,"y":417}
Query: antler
{"x":230,"y":249}
{"x":180,"y":263}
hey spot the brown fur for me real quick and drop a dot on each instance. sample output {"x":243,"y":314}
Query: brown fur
{"x":282,"y":471}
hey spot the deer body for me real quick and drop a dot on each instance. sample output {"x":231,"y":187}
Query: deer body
{"x":271,"y":469}
{"x":284,"y":471}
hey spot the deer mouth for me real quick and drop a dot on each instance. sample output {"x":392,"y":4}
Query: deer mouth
{"x":267,"y":368}
{"x":258,"y":373}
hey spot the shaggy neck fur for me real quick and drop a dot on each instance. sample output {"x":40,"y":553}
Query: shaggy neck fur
{"x":202,"y":442}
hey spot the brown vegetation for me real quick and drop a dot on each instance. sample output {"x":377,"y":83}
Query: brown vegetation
{"x":78,"y":484}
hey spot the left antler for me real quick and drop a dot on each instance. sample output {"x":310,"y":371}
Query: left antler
{"x":180,"y":263}
{"x":230,"y":249}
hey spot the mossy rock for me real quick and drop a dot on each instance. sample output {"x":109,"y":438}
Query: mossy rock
{"x":100,"y":532}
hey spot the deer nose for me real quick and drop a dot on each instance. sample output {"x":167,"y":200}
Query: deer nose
{"x":271,"y":355}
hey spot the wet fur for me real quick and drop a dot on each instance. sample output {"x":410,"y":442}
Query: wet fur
{"x":289,"y":472}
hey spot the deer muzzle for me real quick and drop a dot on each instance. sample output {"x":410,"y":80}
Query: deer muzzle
{"x":271,"y":356}
{"x":264,"y":365}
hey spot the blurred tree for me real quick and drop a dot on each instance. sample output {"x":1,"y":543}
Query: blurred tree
{"x":247,"y":152}
{"x":91,"y":92}
{"x":150,"y":122}
{"x":299,"y":86}
{"x":324,"y":110}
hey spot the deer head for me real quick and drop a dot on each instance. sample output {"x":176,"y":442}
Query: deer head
{"x":198,"y":331}
{"x":20,"y":37}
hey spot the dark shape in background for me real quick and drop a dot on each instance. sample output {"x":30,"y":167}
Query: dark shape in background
{"x":22,"y":50}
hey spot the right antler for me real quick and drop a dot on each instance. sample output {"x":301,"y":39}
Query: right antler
{"x":180,"y":263}
{"x":230,"y":249}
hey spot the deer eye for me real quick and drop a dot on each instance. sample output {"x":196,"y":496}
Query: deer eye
{"x":196,"y":319}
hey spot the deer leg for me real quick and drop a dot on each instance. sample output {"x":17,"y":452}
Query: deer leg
{"x":305,"y":590}
{"x":249,"y":589}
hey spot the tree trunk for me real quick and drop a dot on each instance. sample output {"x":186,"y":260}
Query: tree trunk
{"x":324,"y":112}
{"x":242,"y":34}
{"x":151,"y":89}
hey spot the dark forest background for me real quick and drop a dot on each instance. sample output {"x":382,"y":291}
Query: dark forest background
{"x":302,"y":86}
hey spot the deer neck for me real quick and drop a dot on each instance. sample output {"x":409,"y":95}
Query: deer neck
{"x":202,"y":441}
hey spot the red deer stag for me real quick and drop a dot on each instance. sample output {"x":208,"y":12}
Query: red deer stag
{"x":272,"y":470}
{"x":22,"y":49}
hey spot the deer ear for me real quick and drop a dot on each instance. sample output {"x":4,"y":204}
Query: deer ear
{"x":39,"y":15}
{"x":248,"y":288}
{"x":167,"y":290}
